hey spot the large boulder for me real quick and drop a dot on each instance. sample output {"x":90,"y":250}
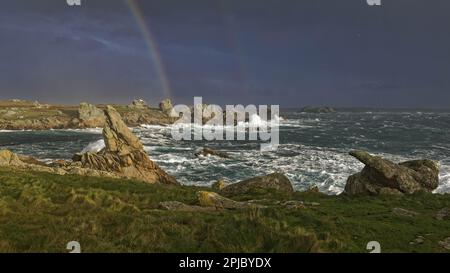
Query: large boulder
{"x":382,"y":176}
{"x":124,"y":154}
{"x":274,"y":182}
{"x":90,"y":116}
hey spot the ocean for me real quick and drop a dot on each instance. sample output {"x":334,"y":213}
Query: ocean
{"x":313,"y":148}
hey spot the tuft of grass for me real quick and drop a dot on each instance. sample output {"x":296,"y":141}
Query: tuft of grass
{"x":41,"y":212}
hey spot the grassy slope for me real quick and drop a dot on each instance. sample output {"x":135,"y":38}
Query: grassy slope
{"x":42,"y":212}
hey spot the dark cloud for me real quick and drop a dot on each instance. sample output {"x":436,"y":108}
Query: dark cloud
{"x":292,"y":53}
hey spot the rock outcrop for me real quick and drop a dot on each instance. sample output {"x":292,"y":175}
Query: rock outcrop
{"x":384,"y":176}
{"x":166,"y":106}
{"x":25,"y":115}
{"x":139,"y":104}
{"x":90,"y":116}
{"x":274,"y":182}
{"x":124,"y":154}
{"x":8,"y":158}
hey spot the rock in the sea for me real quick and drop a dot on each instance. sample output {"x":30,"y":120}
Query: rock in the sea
{"x":384,"y":176}
{"x":90,"y":116}
{"x":138,"y":104}
{"x":209,"y":152}
{"x":166,"y":106}
{"x":275,"y":181}
{"x":212,"y":199}
{"x":124,"y":154}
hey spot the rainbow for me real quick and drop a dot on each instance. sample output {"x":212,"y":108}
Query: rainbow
{"x":152,"y":46}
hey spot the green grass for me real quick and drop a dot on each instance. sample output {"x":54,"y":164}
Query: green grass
{"x":42,"y":212}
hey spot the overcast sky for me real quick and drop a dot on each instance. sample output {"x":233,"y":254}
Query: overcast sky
{"x":291,"y":53}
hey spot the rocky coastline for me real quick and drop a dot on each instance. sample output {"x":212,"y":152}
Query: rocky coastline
{"x":27,"y":115}
{"x":121,"y":183}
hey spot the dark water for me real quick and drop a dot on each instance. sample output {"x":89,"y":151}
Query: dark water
{"x":313,"y":147}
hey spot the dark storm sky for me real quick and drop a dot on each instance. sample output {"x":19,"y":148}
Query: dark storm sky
{"x":292,"y":53}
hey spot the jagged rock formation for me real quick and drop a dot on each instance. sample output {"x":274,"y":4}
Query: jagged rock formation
{"x":275,"y":182}
{"x":124,"y":154}
{"x":384,"y":176}
{"x":90,"y":116}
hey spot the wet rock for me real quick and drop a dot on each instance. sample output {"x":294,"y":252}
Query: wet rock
{"x":90,"y":116}
{"x":404,"y":212}
{"x":381,"y":175}
{"x":275,"y":181}
{"x":209,"y":152}
{"x":124,"y":154}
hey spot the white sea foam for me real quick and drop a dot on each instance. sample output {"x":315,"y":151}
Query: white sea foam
{"x":94,"y":147}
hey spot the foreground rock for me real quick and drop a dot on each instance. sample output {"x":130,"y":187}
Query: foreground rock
{"x":212,"y":199}
{"x":276,"y":182}
{"x":124,"y":154}
{"x":383,"y":176}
